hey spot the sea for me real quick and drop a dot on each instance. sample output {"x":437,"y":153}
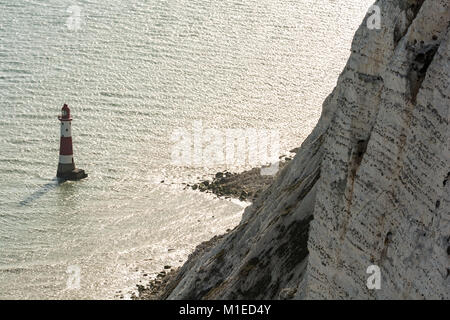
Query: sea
{"x":134,"y":73}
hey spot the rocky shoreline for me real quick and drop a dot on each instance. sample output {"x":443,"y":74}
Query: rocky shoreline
{"x":245,"y":186}
{"x":160,"y":287}
{"x":156,"y":287}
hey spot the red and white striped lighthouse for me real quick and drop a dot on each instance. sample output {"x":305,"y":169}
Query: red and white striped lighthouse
{"x":66,"y":166}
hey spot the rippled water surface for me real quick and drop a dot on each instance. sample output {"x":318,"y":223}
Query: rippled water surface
{"x":132,"y":72}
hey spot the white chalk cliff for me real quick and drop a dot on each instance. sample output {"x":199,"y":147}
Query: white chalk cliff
{"x":369,"y":186}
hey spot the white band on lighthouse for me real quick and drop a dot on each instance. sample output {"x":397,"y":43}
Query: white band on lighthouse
{"x":66,"y":129}
{"x":65,"y":159}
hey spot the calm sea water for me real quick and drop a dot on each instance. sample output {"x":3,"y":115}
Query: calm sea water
{"x":132,"y":71}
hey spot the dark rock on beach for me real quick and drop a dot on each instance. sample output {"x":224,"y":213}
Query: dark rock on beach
{"x":155,"y":288}
{"x":245,"y":186}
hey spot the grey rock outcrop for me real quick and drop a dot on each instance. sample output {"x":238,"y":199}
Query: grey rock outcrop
{"x":369,"y":186}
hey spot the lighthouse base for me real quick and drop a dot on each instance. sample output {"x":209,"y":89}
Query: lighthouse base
{"x":74,"y":175}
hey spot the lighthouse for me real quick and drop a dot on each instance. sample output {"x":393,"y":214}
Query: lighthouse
{"x":66,"y":166}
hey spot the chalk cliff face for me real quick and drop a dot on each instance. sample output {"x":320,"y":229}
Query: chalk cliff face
{"x":370,"y":185}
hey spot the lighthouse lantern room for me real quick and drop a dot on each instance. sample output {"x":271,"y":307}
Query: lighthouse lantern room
{"x":66,"y":166}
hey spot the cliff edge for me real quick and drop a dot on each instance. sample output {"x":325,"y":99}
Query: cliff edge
{"x":369,"y":186}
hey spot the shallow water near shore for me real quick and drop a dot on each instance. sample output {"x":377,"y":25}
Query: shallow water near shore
{"x":132,"y":72}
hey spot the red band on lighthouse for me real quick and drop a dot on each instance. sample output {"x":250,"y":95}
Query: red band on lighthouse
{"x":66,"y":148}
